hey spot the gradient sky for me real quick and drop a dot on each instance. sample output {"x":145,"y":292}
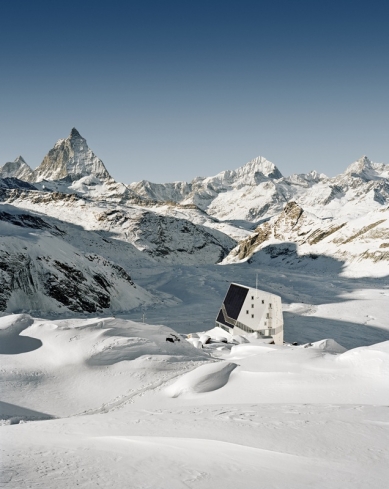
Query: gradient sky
{"x":169,"y":90}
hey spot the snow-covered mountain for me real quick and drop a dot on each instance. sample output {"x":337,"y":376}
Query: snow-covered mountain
{"x":343,"y":216}
{"x":208,"y":193}
{"x":295,"y":236}
{"x":237,"y":215}
{"x":16,"y":169}
{"x":258,"y":191}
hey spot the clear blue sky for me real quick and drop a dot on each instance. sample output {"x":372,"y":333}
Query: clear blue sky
{"x":168,"y":90}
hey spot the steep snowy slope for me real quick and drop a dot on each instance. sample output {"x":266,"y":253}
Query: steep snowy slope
{"x":165,"y":238}
{"x":42,"y":269}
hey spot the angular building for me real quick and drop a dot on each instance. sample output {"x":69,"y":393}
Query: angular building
{"x":248,"y":310}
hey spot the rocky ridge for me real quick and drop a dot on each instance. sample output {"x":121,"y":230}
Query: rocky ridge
{"x":258,"y":191}
{"x":365,"y":237}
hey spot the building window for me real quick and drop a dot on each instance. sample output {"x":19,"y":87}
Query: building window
{"x":252,"y":306}
{"x":247,"y":312}
{"x":263,"y":302}
{"x":267,"y":316}
{"x":252,"y":297}
{"x":265,"y":323}
{"x":252,"y":315}
{"x":269,"y":306}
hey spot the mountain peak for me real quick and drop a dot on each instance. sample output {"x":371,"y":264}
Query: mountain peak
{"x":75,"y":134}
{"x":364,"y":162}
{"x":70,"y":158}
{"x":264,"y":166}
{"x":16,"y":169}
{"x":361,"y":168}
{"x":20,"y":160}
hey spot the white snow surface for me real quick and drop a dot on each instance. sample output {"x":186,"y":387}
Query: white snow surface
{"x":109,"y":402}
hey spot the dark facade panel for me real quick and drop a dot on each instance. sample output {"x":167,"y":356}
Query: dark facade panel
{"x":220,"y":319}
{"x":234,"y":300}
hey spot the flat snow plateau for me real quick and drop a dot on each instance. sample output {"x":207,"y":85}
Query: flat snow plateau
{"x":108,"y":402}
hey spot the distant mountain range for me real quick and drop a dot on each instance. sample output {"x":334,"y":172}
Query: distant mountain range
{"x":70,"y":215}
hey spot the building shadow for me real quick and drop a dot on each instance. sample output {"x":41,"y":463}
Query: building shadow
{"x":14,"y":414}
{"x":307,"y":329}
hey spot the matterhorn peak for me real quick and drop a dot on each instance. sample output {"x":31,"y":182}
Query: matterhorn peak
{"x":75,"y":134}
{"x":70,"y":158}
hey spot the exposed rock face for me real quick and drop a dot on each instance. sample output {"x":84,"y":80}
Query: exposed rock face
{"x":247,"y":247}
{"x":72,"y":158}
{"x":29,"y":221}
{"x":41,"y":269}
{"x":16,"y":169}
{"x":300,"y":233}
{"x":72,"y":287}
{"x":15,"y":183}
{"x":288,"y":219}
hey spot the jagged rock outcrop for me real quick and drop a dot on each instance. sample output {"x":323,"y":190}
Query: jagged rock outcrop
{"x":298,"y":233}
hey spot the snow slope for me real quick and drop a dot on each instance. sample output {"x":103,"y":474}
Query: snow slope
{"x":120,"y":406}
{"x":42,"y":270}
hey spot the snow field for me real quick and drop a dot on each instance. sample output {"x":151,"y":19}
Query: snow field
{"x":138,"y":411}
